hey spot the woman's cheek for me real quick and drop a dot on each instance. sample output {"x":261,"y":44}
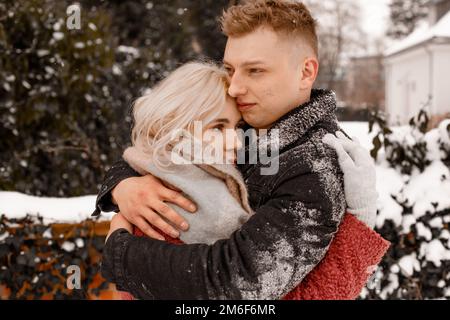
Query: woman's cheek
{"x":230,"y":156}
{"x":213,"y":138}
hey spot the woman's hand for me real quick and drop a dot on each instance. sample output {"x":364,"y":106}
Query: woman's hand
{"x":359,"y":177}
{"x":119,"y":222}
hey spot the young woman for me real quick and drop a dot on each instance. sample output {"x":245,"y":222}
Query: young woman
{"x":185,"y":134}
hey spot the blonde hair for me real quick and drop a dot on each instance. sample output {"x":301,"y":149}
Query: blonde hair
{"x":289,"y":17}
{"x":196,"y":91}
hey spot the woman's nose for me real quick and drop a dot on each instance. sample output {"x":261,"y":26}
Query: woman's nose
{"x":233,"y":142}
{"x":238,"y":142}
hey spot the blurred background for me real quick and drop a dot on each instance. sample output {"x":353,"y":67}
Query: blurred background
{"x":69,"y":72}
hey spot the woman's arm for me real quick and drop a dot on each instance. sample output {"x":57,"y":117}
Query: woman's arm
{"x":353,"y":256}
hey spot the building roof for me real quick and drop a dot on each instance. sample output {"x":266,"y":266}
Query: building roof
{"x":421,"y":35}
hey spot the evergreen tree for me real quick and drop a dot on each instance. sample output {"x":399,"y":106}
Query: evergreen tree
{"x":405,"y":15}
{"x":65,"y":94}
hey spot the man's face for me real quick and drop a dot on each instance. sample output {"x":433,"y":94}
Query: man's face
{"x":265,"y":75}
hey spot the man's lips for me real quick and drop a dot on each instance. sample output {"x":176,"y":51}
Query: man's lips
{"x":245,"y":106}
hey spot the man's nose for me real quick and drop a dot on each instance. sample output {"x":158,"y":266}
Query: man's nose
{"x":237,"y":87}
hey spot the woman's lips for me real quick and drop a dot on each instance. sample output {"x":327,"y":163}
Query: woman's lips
{"x":245,"y":106}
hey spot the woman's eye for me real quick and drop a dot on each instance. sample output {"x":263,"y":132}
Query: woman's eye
{"x":240,"y":124}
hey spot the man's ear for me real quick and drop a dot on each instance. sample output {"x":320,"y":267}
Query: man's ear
{"x":309,"y":71}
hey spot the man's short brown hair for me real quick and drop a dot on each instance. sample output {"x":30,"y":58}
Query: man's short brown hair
{"x":288,"y":17}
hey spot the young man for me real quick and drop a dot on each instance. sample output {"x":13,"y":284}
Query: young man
{"x":272,"y":61}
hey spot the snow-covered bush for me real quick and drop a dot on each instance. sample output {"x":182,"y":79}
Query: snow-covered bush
{"x":413,"y":177}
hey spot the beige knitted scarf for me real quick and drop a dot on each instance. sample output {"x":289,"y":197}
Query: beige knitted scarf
{"x":225,"y":172}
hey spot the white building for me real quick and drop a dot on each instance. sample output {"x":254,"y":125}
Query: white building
{"x":418,"y":68}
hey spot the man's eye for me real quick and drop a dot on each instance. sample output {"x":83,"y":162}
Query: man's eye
{"x":254,"y":70}
{"x":218,"y":127}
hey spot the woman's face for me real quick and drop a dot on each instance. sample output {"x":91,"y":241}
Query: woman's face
{"x":221,"y":134}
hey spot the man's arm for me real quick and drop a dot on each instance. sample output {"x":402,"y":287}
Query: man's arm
{"x":265,"y":259}
{"x":141,"y":200}
{"x":117,"y":173}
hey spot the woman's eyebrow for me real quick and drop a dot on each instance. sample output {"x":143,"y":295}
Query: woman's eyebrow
{"x":221,"y":120}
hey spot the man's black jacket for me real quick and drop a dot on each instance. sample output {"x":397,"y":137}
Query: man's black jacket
{"x":298,"y":211}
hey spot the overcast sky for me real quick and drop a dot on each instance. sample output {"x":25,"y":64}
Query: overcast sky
{"x":375,"y":16}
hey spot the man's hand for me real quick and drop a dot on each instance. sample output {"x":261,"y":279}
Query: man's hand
{"x":141,"y":202}
{"x":119,"y":222}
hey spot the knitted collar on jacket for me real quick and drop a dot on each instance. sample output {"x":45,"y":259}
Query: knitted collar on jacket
{"x":296,"y":123}
{"x":291,"y":127}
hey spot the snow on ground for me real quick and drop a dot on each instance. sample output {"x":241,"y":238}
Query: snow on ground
{"x":15,"y":205}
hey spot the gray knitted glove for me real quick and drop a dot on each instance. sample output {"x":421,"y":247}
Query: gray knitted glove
{"x":359,"y":177}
